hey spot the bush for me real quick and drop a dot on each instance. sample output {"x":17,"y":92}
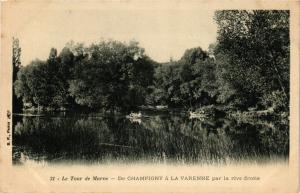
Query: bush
{"x":275,"y":100}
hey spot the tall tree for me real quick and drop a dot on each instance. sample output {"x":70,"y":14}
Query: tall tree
{"x":256,"y":47}
{"x":112,"y":75}
{"x":16,"y":63}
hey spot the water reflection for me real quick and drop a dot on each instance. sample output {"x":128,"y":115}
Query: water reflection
{"x":154,"y":138}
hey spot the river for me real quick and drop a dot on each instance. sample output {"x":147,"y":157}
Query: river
{"x":169,"y":138}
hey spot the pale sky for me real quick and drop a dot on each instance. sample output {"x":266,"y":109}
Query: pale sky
{"x":164,"y":31}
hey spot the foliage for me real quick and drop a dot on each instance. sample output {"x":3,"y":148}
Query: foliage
{"x":248,"y":67}
{"x":188,"y":83}
{"x":106,"y":75}
{"x":276,"y":101}
{"x":252,"y":53}
{"x":32,"y":84}
{"x":16,"y":65}
{"x":112,"y":75}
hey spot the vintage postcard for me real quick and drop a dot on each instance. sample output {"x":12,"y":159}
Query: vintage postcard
{"x":149,"y":96}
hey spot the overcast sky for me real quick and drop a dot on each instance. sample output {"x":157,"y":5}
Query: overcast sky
{"x":164,"y":31}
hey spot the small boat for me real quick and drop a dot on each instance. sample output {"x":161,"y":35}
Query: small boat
{"x":161,"y":107}
{"x":197,"y":115}
{"x":134,"y":115}
{"x":135,"y":120}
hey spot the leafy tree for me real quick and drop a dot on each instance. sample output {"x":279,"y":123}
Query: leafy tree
{"x":256,"y":47}
{"x":189,"y":82}
{"x":44,"y":84}
{"x":193,"y":55}
{"x":32,"y":84}
{"x":16,"y":65}
{"x":113,"y":75}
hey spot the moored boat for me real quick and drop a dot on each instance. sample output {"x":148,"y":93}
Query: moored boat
{"x":200,"y":114}
{"x":161,"y":107}
{"x":134,"y":115}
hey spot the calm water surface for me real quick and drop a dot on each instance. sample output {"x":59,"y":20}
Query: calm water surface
{"x":155,"y":138}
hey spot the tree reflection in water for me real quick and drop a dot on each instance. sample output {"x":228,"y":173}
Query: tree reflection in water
{"x":154,"y":139}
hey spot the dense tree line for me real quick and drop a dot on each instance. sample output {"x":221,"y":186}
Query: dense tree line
{"x":189,"y":82}
{"x":109,"y":75}
{"x":248,"y":67}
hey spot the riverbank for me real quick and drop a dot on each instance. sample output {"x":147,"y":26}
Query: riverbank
{"x":268,"y":114}
{"x":210,"y":111}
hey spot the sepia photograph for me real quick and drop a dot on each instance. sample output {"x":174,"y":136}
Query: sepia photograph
{"x":171,"y":86}
{"x":115,"y":101}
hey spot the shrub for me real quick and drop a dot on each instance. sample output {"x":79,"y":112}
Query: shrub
{"x":275,"y":100}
